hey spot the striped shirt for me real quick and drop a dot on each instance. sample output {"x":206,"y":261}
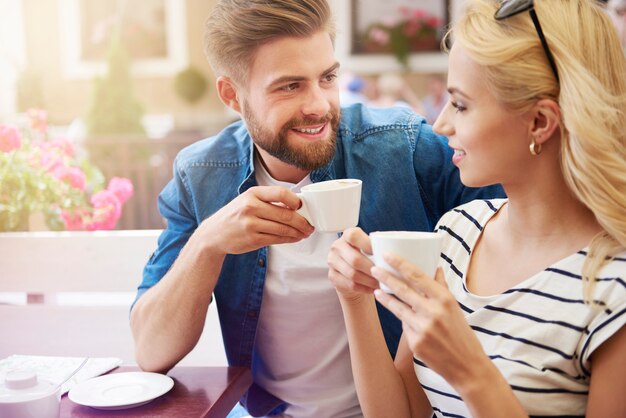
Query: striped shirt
{"x":540,"y":334}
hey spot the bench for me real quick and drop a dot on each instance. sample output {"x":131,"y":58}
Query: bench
{"x":69,"y":293}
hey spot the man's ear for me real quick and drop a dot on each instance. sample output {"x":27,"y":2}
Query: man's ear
{"x":546,"y":120}
{"x":227,"y":92}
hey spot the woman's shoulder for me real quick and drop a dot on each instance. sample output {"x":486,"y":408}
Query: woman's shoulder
{"x":475,"y":213}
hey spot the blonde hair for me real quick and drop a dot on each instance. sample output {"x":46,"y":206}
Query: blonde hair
{"x":236,"y":28}
{"x":591,"y":94}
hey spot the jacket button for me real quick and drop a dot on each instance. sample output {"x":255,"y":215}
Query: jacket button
{"x":261,"y":262}
{"x":252,"y":314}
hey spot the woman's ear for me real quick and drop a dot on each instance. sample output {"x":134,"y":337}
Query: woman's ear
{"x":227,"y":92}
{"x":546,"y":120}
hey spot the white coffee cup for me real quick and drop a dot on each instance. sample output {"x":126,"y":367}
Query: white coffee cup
{"x":333,"y":205}
{"x":420,"y":248}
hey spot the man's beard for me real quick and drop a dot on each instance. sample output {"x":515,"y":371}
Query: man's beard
{"x":303,"y":156}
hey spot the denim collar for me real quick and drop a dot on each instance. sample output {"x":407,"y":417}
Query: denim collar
{"x":320,"y":174}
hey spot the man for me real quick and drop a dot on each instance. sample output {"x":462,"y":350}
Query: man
{"x":232,"y":228}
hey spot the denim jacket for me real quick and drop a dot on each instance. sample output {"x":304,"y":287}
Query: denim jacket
{"x":409,"y":182}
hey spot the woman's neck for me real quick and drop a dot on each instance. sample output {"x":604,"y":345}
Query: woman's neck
{"x":542,"y":217}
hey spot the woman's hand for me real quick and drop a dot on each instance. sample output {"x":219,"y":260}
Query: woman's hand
{"x":349,"y":268}
{"x":434,"y":326}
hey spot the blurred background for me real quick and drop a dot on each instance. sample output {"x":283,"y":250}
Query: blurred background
{"x":127,"y":83}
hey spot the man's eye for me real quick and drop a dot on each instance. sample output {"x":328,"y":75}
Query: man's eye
{"x":290,"y":87}
{"x":330,"y":78}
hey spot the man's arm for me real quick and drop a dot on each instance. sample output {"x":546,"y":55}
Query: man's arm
{"x":168,"y":319}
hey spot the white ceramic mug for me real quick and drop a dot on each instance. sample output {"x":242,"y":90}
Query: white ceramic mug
{"x":333,"y":205}
{"x":420,"y":248}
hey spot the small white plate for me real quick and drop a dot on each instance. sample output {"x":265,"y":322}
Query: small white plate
{"x":120,"y":390}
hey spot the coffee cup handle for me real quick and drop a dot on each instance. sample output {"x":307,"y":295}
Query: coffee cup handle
{"x":303,"y":211}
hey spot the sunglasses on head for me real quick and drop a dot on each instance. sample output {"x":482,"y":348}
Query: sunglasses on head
{"x":510,"y":8}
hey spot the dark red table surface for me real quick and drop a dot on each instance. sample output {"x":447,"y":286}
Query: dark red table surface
{"x":198,"y":392}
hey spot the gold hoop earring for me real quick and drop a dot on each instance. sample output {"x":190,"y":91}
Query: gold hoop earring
{"x":535,"y":149}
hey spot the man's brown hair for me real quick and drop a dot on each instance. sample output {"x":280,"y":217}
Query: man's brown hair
{"x":236,"y":28}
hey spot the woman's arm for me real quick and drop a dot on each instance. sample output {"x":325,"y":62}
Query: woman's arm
{"x":608,"y":378}
{"x":380,"y":387}
{"x":419,"y":403}
{"x":437,"y":333}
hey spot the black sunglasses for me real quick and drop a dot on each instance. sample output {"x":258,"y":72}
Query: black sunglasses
{"x":510,"y":8}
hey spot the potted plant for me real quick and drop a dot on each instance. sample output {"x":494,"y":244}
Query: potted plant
{"x":114,"y":109}
{"x":44,"y":175}
{"x":415,"y":30}
{"x":190,"y":85}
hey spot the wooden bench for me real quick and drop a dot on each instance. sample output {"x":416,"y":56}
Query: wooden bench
{"x":69,"y":294}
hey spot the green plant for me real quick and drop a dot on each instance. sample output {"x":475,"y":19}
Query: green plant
{"x":40,"y":174}
{"x":114,"y":108}
{"x":190,"y":84}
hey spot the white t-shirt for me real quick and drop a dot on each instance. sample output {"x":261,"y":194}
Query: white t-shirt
{"x":301,"y":341}
{"x":540,"y":334}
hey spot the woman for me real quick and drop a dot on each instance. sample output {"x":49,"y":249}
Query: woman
{"x":526,"y":313}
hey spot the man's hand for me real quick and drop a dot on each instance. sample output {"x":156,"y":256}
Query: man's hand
{"x":260,"y":216}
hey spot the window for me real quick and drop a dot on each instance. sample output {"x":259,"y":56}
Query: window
{"x":153,"y":31}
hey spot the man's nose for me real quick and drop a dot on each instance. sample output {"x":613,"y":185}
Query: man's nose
{"x":316,"y":102}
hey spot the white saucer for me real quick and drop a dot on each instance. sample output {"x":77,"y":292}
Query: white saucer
{"x":120,"y":390}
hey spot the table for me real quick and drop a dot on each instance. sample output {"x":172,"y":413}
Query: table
{"x":198,"y":392}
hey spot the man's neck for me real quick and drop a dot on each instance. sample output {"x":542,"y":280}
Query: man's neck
{"x":280,"y":170}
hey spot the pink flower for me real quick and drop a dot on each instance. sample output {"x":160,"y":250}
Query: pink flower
{"x":411,"y":29}
{"x":73,"y":175}
{"x":38,"y":119}
{"x":107,"y":210}
{"x":73,"y":221}
{"x":379,"y":36}
{"x":65,"y":146}
{"x":10,"y":138}
{"x":52,"y":155}
{"x":49,"y":161}
{"x":389,"y":22}
{"x":419,"y":14}
{"x":433,"y":21}
{"x":122,"y":188}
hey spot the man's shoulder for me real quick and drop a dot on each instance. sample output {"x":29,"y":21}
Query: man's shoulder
{"x":231,"y":146}
{"x":391,"y":126}
{"x":359,"y":119}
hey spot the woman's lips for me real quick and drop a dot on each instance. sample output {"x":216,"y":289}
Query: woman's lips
{"x":458,"y":156}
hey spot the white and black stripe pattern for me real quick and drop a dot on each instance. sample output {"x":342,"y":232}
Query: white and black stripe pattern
{"x":540,"y":334}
